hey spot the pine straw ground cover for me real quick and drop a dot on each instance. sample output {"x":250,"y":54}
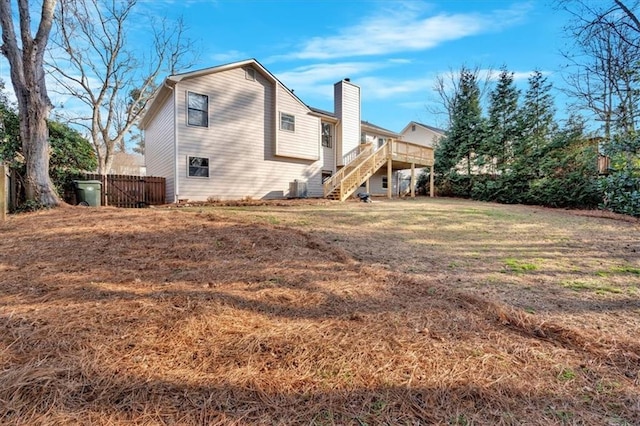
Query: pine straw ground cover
{"x":405,"y":312}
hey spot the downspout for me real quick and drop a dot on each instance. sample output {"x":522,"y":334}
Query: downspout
{"x":175,"y":143}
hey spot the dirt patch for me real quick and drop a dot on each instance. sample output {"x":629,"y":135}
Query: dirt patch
{"x":277,"y":315}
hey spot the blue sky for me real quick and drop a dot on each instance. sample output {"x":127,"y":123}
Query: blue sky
{"x":393,"y":50}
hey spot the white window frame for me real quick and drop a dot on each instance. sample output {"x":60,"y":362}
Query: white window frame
{"x":326,"y":175}
{"x":195,"y":176}
{"x":250,"y":74}
{"x":285,"y":125}
{"x":206,"y":115}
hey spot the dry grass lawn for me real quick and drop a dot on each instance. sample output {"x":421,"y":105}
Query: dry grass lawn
{"x":317,"y":313}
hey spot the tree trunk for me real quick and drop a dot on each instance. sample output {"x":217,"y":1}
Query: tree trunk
{"x":28,"y":80}
{"x":35,"y":136}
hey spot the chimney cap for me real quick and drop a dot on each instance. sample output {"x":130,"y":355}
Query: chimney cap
{"x":347,"y":79}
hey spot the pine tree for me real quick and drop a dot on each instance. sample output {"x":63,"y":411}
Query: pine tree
{"x":467,"y":125}
{"x":536,"y":126}
{"x":502,"y":124}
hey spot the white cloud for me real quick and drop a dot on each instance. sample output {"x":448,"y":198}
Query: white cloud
{"x":376,"y":88}
{"x":230,"y":56}
{"x":405,"y":28}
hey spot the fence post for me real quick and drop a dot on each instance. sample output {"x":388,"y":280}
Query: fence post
{"x":3,"y":193}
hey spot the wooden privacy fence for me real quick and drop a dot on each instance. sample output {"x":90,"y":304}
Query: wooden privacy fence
{"x":130,"y":191}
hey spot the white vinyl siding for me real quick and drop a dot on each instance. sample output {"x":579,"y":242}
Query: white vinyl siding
{"x":421,"y":136}
{"x":240,"y":141}
{"x":376,"y":183}
{"x":347,"y":109}
{"x":303,"y":143}
{"x":159,"y":146}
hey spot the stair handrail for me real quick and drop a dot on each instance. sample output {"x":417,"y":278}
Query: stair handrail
{"x":353,"y":179}
{"x":334,"y":181}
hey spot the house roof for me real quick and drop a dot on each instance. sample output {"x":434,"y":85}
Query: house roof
{"x":379,"y":129}
{"x":433,"y":129}
{"x":169,"y":83}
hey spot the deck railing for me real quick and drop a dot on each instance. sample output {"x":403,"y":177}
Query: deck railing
{"x":412,"y":153}
{"x":367,"y":161}
{"x":361,"y":153}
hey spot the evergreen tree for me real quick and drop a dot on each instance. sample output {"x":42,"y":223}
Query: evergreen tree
{"x":536,"y":126}
{"x":502,"y":124}
{"x":466,"y":131}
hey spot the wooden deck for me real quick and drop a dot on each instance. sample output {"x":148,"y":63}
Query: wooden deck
{"x":396,"y":155}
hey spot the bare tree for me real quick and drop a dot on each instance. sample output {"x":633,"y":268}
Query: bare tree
{"x":26,"y":60}
{"x":603,"y":62}
{"x":97,"y":64}
{"x":447,"y":89}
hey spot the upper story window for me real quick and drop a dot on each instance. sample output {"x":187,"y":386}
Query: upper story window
{"x":197,"y":110}
{"x":326,"y":135}
{"x":198,"y":167}
{"x":287,"y":122}
{"x":250,"y":74}
{"x":413,"y":127}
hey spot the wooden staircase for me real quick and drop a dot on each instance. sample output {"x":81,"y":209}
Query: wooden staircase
{"x":347,"y":180}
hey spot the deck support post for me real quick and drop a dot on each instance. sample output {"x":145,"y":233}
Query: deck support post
{"x":432,"y":187}
{"x":389,"y":178}
{"x":413,"y":180}
{"x":3,"y":193}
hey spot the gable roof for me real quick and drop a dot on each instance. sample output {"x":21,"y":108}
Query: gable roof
{"x":169,"y":83}
{"x":433,"y":129}
{"x":379,"y":129}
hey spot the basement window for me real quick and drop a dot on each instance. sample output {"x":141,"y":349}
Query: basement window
{"x":287,"y":122}
{"x":198,"y":167}
{"x":385,"y":182}
{"x":326,"y":174}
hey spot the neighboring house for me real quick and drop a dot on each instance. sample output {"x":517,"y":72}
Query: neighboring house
{"x":127,"y":164}
{"x":421,"y":134}
{"x":235,"y":131}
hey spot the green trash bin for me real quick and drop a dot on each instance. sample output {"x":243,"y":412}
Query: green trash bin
{"x":88,"y":192}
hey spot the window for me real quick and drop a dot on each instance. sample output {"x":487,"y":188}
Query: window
{"x":326,"y":135}
{"x":326,"y":174}
{"x":363,"y":138}
{"x":250,"y":74}
{"x":413,"y":127}
{"x":380,"y":142}
{"x":287,"y":122}
{"x":198,"y":167}
{"x":385,"y":182}
{"x":197,"y":110}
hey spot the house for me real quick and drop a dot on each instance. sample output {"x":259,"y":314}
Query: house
{"x":421,"y":134}
{"x":235,"y":131}
{"x":125,"y":163}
